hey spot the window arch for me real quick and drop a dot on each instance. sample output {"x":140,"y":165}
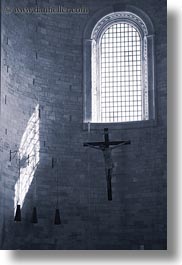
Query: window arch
{"x":121,"y":61}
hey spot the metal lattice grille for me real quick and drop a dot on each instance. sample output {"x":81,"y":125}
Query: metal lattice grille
{"x":121,"y":73}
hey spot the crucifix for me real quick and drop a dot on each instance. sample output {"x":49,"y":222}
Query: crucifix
{"x":106,"y":147}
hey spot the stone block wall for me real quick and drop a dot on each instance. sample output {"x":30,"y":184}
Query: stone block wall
{"x":42,"y":112}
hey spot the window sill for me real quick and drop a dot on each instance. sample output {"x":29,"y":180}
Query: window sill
{"x":120,"y":125}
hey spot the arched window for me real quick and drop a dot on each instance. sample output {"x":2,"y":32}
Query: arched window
{"x":121,"y":52}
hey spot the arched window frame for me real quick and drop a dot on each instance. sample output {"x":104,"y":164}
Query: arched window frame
{"x":94,"y":28}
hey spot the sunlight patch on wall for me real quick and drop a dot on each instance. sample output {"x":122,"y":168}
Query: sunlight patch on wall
{"x":29,"y":157}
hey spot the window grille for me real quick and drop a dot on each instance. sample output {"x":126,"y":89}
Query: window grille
{"x":121,"y":95}
{"x":118,"y":61}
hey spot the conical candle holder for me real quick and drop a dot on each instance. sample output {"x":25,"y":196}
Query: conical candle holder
{"x":57,"y":220}
{"x":34,"y":216}
{"x":18,"y":214}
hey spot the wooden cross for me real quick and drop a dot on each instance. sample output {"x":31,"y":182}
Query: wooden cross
{"x":106,"y":147}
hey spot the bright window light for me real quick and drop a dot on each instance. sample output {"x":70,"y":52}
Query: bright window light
{"x":120,"y":74}
{"x":29,"y":146}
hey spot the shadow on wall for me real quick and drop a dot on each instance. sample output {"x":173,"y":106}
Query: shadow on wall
{"x":21,"y":173}
{"x":32,"y":175}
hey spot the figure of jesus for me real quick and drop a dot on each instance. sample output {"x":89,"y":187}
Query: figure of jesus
{"x":106,"y":147}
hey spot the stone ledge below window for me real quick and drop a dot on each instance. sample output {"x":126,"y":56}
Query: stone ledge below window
{"x":120,"y":125}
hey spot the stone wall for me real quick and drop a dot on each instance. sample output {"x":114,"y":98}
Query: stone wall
{"x":42,"y":94}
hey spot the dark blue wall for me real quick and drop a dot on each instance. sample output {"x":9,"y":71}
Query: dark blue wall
{"x":42,"y":63}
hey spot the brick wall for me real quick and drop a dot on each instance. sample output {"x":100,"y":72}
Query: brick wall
{"x":41,"y":65}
